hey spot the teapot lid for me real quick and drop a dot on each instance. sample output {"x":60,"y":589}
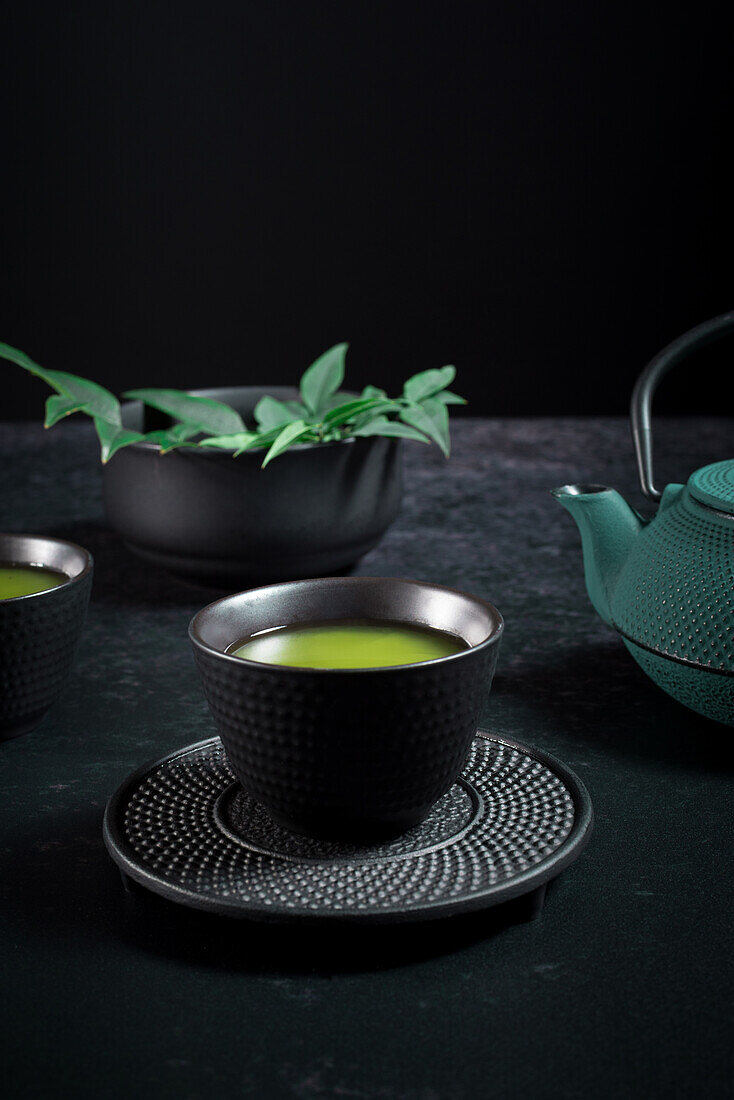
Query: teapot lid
{"x":714,"y":486}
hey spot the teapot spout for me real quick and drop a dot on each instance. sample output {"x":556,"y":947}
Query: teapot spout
{"x":608,"y":529}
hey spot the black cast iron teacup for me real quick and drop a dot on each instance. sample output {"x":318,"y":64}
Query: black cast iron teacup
{"x":39,"y":632}
{"x":347,"y":753}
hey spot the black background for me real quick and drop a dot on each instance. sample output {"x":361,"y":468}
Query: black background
{"x":202,"y":194}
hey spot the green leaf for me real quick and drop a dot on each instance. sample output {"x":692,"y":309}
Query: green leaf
{"x":112,"y":437}
{"x":79,"y":395}
{"x":373,"y":392}
{"x":271,"y":413}
{"x":428,"y":382}
{"x":90,"y":398}
{"x":287,"y":437}
{"x":431,"y":418}
{"x":58,"y":406}
{"x":15,"y":355}
{"x":208,"y":415}
{"x":96,"y":401}
{"x":379,"y":409}
{"x":323,"y":378}
{"x":392,"y":428}
{"x":168,"y":439}
{"x":334,"y":402}
{"x":263,"y":438}
{"x":439,"y":416}
{"x":350,"y":409}
{"x":53,"y":378}
{"x":236,"y":442}
{"x":422,"y":410}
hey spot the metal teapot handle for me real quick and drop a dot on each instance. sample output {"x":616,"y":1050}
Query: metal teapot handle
{"x":647,"y":383}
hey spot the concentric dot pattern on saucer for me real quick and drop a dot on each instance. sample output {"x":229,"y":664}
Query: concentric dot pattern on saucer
{"x":189,"y":826}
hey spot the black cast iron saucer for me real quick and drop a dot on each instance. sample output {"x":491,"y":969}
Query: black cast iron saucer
{"x":184,"y":828}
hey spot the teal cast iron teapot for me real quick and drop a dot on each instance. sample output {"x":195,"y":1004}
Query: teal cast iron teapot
{"x":667,"y":584}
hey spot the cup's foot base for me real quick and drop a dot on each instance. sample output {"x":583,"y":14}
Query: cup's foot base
{"x":349,"y":830}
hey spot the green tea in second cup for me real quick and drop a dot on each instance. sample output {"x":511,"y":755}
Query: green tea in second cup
{"x":26,"y":580}
{"x":348,"y":643}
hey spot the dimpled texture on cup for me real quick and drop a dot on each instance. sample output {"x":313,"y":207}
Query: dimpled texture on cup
{"x":349,"y":752}
{"x":38,"y":636}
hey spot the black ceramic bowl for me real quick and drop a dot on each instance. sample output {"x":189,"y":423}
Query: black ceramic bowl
{"x":347,"y":753}
{"x":214,"y":519}
{"x":38,"y":633}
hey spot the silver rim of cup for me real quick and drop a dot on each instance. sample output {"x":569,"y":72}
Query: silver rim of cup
{"x":203,"y":620}
{"x":48,"y":553}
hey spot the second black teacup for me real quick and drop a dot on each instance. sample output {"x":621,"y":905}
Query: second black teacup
{"x":40,"y":627}
{"x":347,"y":753}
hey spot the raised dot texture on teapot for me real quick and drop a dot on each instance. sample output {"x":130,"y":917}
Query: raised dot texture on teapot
{"x":714,"y":485}
{"x":675,"y":594}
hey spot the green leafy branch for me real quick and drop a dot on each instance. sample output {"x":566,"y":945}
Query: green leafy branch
{"x":322,"y":415}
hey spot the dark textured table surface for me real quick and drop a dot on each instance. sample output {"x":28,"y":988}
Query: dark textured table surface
{"x":621,"y":988}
